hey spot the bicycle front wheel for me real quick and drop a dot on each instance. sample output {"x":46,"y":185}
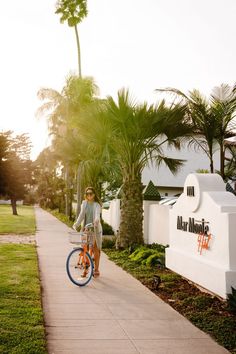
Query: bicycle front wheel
{"x":79,"y":267}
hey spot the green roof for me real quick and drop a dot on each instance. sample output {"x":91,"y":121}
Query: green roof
{"x":151,"y":192}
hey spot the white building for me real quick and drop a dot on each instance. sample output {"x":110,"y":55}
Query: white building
{"x":169,"y":184}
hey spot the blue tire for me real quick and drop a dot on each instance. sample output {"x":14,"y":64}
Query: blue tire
{"x":75,"y":269}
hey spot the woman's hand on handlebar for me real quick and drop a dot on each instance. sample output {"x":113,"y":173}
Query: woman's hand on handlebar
{"x":96,"y":222}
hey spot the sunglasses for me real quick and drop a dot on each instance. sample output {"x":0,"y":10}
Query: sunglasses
{"x":89,"y":193}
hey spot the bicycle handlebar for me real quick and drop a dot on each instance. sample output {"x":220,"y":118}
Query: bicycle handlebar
{"x":87,"y":226}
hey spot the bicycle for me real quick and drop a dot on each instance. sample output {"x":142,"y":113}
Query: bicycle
{"x":79,"y":263}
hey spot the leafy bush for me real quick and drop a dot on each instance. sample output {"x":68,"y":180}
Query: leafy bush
{"x":157,"y":247}
{"x":108,"y":242}
{"x":231,"y":300}
{"x":107,"y":229}
{"x":149,"y":256}
{"x":155,"y":259}
{"x":141,"y":254}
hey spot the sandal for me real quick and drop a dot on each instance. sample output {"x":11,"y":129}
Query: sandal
{"x":96,"y":273}
{"x":84,"y":275}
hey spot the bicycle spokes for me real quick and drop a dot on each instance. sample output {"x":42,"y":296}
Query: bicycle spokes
{"x":79,"y":266}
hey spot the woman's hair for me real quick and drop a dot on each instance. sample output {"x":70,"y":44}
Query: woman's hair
{"x":96,"y":198}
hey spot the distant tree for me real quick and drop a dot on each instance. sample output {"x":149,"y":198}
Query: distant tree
{"x":73,"y":11}
{"x":3,"y":157}
{"x":16,"y":167}
{"x":51,"y":187}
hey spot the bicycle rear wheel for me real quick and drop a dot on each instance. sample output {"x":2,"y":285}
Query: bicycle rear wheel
{"x":79,"y":267}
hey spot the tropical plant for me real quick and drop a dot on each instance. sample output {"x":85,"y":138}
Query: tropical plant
{"x":230,"y":163}
{"x":73,"y":11}
{"x":231,"y":300}
{"x":132,"y":136}
{"x":223,"y":101}
{"x":212,"y":119}
{"x":64,"y":111}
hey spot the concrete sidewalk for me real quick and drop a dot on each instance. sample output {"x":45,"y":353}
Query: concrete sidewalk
{"x":114,"y":314}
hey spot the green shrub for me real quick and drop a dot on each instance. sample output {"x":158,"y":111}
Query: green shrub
{"x":135,"y":252}
{"x":107,"y":229}
{"x":108,"y":242}
{"x":149,"y":255}
{"x":231,"y":300}
{"x":155,"y":259}
{"x":158,"y":247}
{"x":141,"y":255}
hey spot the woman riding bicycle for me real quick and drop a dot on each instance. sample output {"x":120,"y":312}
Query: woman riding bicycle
{"x":91,"y":213}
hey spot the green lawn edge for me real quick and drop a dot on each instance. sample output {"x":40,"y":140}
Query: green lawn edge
{"x":22,"y":224}
{"x":22,"y":324}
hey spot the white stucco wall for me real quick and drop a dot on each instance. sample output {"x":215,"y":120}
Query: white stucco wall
{"x":215,"y":268}
{"x":194,"y":160}
{"x":155,"y":222}
{"x":158,"y":231}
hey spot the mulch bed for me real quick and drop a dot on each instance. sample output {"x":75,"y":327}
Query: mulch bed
{"x":206,"y":311}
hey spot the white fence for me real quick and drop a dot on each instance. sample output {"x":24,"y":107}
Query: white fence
{"x":8,"y":202}
{"x":112,"y":215}
{"x":155,"y":224}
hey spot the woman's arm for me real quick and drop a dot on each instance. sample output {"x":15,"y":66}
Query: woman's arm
{"x":97,"y":214}
{"x":81,"y":215}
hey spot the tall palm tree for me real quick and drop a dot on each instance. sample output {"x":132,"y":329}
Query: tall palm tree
{"x":134,"y":135}
{"x":211,"y":119}
{"x":64,"y":110}
{"x":73,"y":11}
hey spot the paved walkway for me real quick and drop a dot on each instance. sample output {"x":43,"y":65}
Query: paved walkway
{"x":114,"y":314}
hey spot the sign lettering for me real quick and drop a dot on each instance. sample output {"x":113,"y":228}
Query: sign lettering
{"x":192,"y":225}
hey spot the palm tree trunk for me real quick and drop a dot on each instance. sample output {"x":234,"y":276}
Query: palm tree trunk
{"x":67,"y":191}
{"x":131,"y":226}
{"x":211,"y":161}
{"x":79,"y":53}
{"x":79,"y":186}
{"x":211,"y":166}
{"x":79,"y":191}
{"x":222,"y":161}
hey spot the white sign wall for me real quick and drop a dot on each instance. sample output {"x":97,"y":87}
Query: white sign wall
{"x":203,"y":234}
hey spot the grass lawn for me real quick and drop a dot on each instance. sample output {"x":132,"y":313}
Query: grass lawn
{"x":21,"y":325}
{"x":205,"y":311}
{"x":24,"y":223}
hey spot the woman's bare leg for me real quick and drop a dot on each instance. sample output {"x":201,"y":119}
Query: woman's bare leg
{"x":97,"y":254}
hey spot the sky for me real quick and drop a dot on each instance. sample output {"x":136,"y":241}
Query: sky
{"x":141,"y":45}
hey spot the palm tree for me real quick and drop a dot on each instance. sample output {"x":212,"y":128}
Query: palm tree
{"x":134,"y":136}
{"x":230,"y":163}
{"x":211,"y":119}
{"x":64,"y":110}
{"x":223,"y":102}
{"x":73,"y":11}
{"x":202,"y":119}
